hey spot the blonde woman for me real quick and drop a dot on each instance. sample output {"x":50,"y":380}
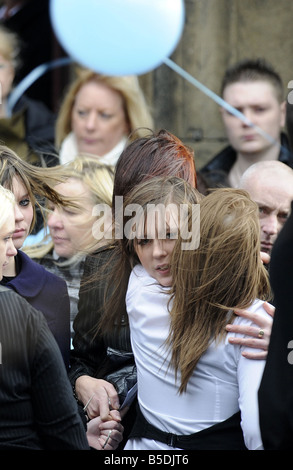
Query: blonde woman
{"x":72,"y":233}
{"x":194,"y":387}
{"x":97,"y":115}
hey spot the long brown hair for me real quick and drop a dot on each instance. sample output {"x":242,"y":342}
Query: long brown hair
{"x":156,"y":154}
{"x":224,"y":273}
{"x":154,"y":191}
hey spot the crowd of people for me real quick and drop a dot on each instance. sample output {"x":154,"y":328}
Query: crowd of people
{"x":152,"y":296}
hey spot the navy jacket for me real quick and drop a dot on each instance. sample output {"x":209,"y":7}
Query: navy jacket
{"x":47,"y":293}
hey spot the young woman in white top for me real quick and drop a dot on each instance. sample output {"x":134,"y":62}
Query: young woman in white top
{"x":192,"y":382}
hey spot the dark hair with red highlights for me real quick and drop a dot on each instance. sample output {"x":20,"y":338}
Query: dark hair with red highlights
{"x":160,"y":154}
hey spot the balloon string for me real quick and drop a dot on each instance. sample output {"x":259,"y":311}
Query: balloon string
{"x":218,"y":99}
{"x":40,"y":70}
{"x":27,"y":81}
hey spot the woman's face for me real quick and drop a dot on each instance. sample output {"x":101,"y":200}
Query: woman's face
{"x":7,"y":248}
{"x":154,"y":252}
{"x":98,"y":119}
{"x":23,"y":212}
{"x":71,"y":228}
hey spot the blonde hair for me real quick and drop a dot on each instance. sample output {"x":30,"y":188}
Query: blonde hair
{"x":7,"y":202}
{"x":9,"y":46}
{"x":136,"y":110}
{"x":99,"y":178}
{"x":224,"y":273}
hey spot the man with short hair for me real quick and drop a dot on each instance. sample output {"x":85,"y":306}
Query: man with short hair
{"x":255,"y":89}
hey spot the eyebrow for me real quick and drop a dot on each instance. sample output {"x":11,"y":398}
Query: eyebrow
{"x":265,"y":206}
{"x":8,"y":234}
{"x":22,"y":196}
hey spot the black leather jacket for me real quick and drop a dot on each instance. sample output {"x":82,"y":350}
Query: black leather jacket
{"x":106,"y":357}
{"x":215,"y":172}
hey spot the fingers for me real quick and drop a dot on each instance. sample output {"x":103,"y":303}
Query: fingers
{"x":255,"y":355}
{"x":263,"y":323}
{"x":95,"y":405}
{"x":108,"y":401}
{"x":104,"y":435}
{"x":259,"y":347}
{"x":251,"y":337}
{"x":98,"y":396}
{"x":260,"y":320}
{"x":270,"y":309}
{"x":113,"y":398}
{"x":265,"y":257}
{"x":243,"y":330}
{"x":250,"y":342}
{"x":111,"y":434}
{"x":115,"y":415}
{"x":255,"y":337}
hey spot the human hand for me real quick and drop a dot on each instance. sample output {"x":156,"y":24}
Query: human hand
{"x":97,"y":395}
{"x":265,"y":257}
{"x":253,"y":340}
{"x":105,"y":435}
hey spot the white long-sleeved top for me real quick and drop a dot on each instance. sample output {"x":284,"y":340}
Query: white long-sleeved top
{"x":222,"y":383}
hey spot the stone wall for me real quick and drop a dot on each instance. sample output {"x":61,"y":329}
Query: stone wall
{"x":217,"y":33}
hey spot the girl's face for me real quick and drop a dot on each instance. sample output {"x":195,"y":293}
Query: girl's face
{"x":7,"y":248}
{"x":98,"y":119}
{"x":23,"y":213}
{"x":154,"y":252}
{"x":71,"y":228}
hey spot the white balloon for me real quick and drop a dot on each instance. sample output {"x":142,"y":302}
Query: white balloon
{"x":118,"y":37}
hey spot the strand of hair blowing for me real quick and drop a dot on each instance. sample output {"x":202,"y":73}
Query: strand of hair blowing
{"x":224,"y":273}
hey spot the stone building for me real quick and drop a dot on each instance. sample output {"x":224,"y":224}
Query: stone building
{"x":217,"y":33}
